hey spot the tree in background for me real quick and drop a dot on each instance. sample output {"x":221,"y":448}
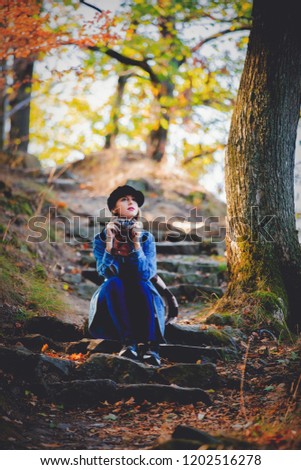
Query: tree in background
{"x":29,"y":31}
{"x":158,"y":47}
{"x":263,"y":252}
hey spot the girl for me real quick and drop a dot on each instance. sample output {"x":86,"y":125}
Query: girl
{"x":127,"y":307}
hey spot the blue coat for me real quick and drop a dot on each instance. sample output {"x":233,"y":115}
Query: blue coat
{"x":142,"y":261}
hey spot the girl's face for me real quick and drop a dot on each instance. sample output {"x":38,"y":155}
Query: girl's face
{"x":126,"y":206}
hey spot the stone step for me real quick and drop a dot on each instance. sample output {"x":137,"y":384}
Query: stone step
{"x":64,"y":184}
{"x":84,"y":232}
{"x":191,"y":354}
{"x":93,"y":276}
{"x":181,"y":265}
{"x":186,"y":437}
{"x":165,"y":231}
{"x":88,"y":393}
{"x":191,"y":292}
{"x":195,"y":335}
{"x":186,"y":248}
{"x":188,"y":286}
{"x":171,"y":352}
{"x":209,"y":279}
{"x":182,"y":292}
{"x":172,"y":264}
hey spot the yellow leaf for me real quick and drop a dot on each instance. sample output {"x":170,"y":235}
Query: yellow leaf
{"x":44,"y":347}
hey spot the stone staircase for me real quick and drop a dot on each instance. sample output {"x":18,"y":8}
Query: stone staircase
{"x":192,"y":358}
{"x":193,"y":270}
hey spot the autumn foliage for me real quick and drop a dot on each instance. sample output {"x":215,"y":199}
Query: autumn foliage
{"x":26,"y":30}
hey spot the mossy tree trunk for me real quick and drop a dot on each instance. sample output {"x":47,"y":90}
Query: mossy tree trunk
{"x":263,"y":252}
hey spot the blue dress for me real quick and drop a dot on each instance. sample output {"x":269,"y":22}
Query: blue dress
{"x":127,"y":305}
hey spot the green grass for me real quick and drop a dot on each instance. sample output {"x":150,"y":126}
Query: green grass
{"x":24,"y":283}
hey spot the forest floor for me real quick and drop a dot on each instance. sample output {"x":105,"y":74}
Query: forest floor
{"x":260,"y":410}
{"x":255,"y":405}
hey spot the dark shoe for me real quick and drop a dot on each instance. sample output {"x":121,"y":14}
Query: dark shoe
{"x":152,"y":358}
{"x":129,"y":351}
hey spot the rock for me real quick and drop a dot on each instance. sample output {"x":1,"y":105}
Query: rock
{"x":81,"y":232}
{"x":190,"y":375}
{"x":35,"y":342}
{"x":93,"y":276}
{"x":191,"y":354}
{"x":222,"y":319}
{"x":190,"y":433}
{"x":66,"y":184}
{"x":193,"y":291}
{"x":186,"y":267}
{"x":211,"y":442}
{"x":77,"y":347}
{"x":19,"y":361}
{"x":93,"y":391}
{"x":37,"y":370}
{"x":83,"y":392}
{"x":72,"y":278}
{"x":195,"y":336}
{"x":49,"y":370}
{"x":143,"y":184}
{"x":93,"y":346}
{"x":87,"y":260}
{"x":85,"y":289}
{"x":156,"y":393}
{"x":119,"y":369}
{"x":184,"y":247}
{"x":104,"y":346}
{"x":53,"y":328}
{"x":167,"y":276}
{"x":209,"y":279}
{"x":177,"y":444}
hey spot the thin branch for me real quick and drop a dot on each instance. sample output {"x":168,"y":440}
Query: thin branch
{"x":200,"y":155}
{"x":242,"y":381}
{"x":20,"y":105}
{"x":120,"y":57}
{"x":128,"y":61}
{"x":91,"y":6}
{"x":217,"y":35}
{"x":225,"y":20}
{"x":60,"y":142}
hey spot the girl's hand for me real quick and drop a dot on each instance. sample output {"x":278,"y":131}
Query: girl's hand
{"x":112,"y":228}
{"x":136,"y":231}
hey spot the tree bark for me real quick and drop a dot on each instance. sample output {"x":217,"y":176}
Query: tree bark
{"x":3,"y":103}
{"x":263,"y":251}
{"x":157,"y":139}
{"x":20,"y":120}
{"x":115,"y":112}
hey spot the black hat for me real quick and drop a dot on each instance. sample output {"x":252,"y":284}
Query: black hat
{"x":124,"y":191}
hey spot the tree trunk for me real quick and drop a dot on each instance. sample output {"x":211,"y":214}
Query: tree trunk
{"x":3,"y":103}
{"x":19,"y":131}
{"x":115,"y":112}
{"x":263,"y":251}
{"x":157,"y":140}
